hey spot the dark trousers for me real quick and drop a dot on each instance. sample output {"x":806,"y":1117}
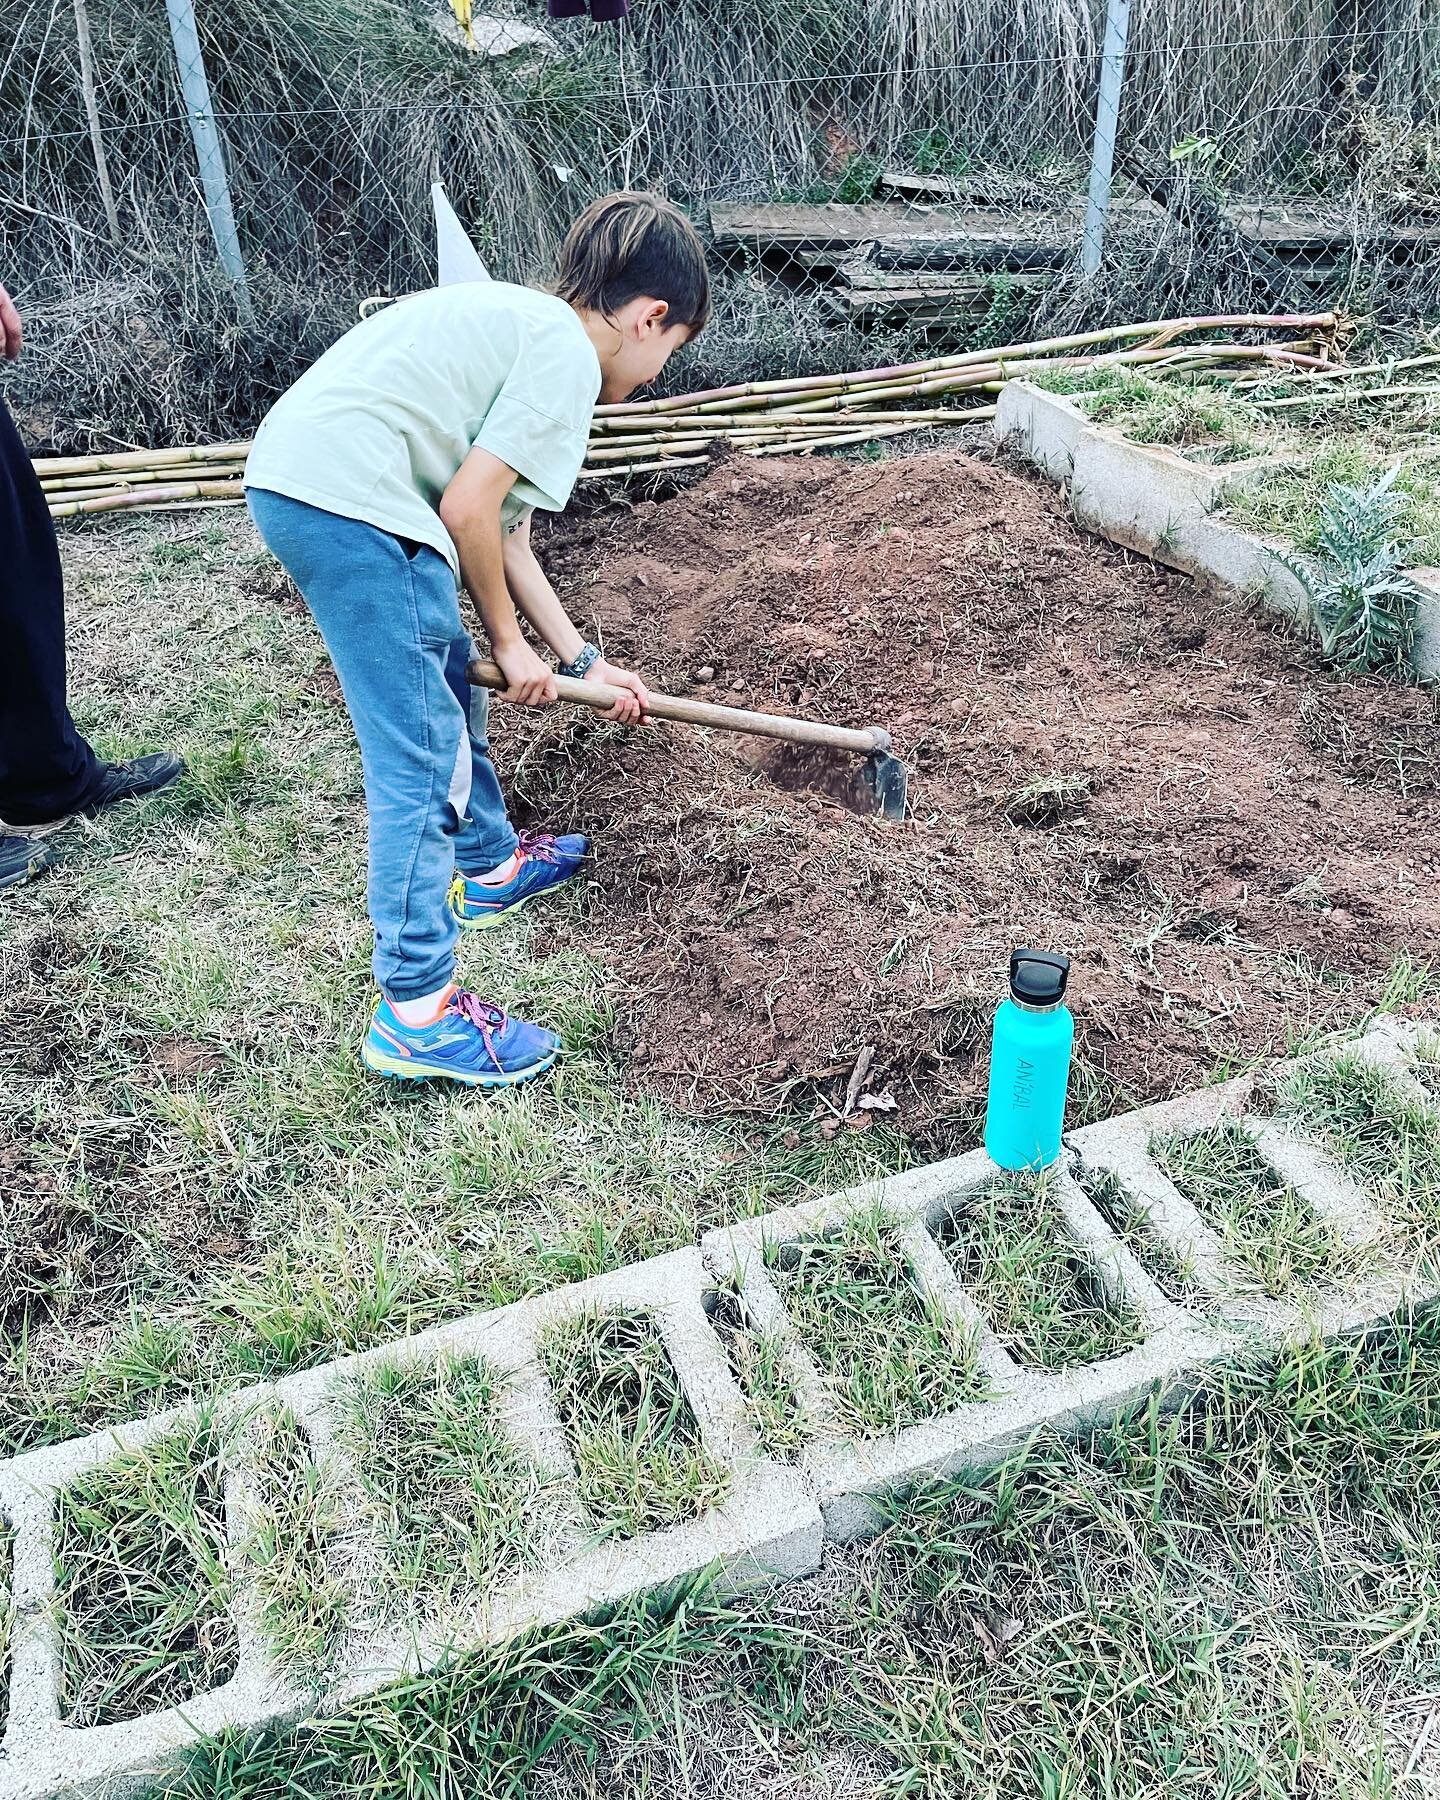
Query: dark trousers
{"x":46,"y":768}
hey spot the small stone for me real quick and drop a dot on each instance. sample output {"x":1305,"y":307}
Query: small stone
{"x":737,"y":686}
{"x":705,"y":673}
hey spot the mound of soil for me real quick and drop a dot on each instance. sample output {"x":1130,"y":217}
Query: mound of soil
{"x":1229,"y":841}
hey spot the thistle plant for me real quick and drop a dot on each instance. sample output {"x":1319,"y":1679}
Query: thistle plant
{"x":1363,"y":606}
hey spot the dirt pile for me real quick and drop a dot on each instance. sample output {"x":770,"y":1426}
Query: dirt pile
{"x":1228,"y":840}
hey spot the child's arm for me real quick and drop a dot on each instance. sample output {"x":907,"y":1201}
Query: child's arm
{"x":470,"y":512}
{"x":530,"y":587}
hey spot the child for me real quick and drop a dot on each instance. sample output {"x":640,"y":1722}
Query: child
{"x":405,"y":463}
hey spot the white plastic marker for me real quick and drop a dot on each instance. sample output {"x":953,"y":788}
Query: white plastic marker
{"x":456,"y":257}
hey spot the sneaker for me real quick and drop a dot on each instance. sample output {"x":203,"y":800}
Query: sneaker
{"x":22,"y":857}
{"x":545,"y":862}
{"x":129,"y":780}
{"x":471,"y":1042}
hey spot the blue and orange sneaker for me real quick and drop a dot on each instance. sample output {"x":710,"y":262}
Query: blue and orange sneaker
{"x":545,"y":862}
{"x":471,"y":1042}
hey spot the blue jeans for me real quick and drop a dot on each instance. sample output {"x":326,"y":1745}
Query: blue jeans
{"x":389,"y":611}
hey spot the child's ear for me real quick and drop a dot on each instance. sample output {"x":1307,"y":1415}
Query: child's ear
{"x":656,"y":315}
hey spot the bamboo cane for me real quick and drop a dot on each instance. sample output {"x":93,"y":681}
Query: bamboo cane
{"x":199,"y":490}
{"x":1344,"y":396}
{"x":69,"y":485}
{"x":139,"y":459}
{"x":1171,"y":329}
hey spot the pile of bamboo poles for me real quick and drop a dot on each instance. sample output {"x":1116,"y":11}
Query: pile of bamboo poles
{"x":761,"y":418}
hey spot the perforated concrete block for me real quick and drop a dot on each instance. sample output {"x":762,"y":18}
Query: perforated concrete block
{"x":773,"y":1521}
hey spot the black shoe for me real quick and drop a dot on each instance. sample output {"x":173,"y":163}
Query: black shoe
{"x":22,"y":857}
{"x":129,"y":780}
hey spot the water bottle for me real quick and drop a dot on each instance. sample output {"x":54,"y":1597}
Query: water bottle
{"x":1030,"y":1063}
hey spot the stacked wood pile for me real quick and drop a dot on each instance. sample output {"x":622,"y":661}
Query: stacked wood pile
{"x":939,"y":253}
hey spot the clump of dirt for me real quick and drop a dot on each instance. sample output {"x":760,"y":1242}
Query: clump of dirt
{"x":1227,"y":839}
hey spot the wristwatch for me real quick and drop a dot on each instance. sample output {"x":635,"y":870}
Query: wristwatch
{"x":586,"y":660}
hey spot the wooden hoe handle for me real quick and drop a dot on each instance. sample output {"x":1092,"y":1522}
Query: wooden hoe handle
{"x":600,"y":698}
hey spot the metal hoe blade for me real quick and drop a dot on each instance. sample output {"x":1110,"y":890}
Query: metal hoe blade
{"x":884,"y":778}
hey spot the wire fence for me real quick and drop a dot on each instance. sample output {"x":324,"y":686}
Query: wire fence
{"x":1268,"y":152}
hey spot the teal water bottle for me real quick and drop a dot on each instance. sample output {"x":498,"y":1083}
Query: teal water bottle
{"x":1030,"y":1063}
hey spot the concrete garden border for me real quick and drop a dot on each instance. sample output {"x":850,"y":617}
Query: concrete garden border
{"x":776,"y":1517}
{"x":1153,"y":500}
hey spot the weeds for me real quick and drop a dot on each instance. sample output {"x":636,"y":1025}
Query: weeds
{"x":1386,"y":1140}
{"x":889,"y":1354}
{"x":141,"y":1583}
{"x":1269,"y":1231}
{"x":1190,"y":415}
{"x":1172,"y":1273}
{"x":305,"y":1607}
{"x":758,"y":1361}
{"x":1234,"y":1595}
{"x":453,"y":1502}
{"x":1291,"y":503}
{"x":1044,"y":1300}
{"x":639,"y":1456}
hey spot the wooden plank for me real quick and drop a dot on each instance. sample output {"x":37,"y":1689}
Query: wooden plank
{"x":862,"y":278}
{"x":1299,"y":225}
{"x":912,"y":237}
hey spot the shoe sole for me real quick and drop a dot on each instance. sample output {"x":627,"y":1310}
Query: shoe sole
{"x":394,"y":1069}
{"x":485,"y":921}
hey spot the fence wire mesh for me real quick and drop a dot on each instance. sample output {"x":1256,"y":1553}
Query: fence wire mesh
{"x":1272,"y":152}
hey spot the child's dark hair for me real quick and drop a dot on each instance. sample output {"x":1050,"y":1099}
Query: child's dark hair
{"x":626,"y":245}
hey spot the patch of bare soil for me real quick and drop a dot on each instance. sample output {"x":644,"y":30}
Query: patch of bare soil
{"x":1230,"y":841}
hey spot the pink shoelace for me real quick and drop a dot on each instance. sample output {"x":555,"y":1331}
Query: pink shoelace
{"x":539,"y":844}
{"x":486,"y":1018}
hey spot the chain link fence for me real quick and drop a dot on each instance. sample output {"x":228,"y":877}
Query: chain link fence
{"x":881,"y":175}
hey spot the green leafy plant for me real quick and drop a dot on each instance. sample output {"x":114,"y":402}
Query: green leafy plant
{"x":1362,"y":604}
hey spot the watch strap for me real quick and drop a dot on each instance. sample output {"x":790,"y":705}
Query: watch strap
{"x":586,"y":660}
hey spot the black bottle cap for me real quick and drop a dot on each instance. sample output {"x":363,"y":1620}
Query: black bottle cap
{"x":1038,"y":977}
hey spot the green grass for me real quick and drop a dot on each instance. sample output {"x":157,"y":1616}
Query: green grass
{"x":1187,"y":414}
{"x":454,"y":1505}
{"x":757,"y":1359}
{"x":1238,"y":1596}
{"x":1172,"y":1273}
{"x":888,"y":1354}
{"x":1270,"y":1234}
{"x":305,"y":1606}
{"x":141,"y":1583}
{"x":1041,"y":1296}
{"x":639,"y":1457}
{"x":1425,"y":1064}
{"x":1289,"y":502}
{"x":1387,"y":1141}
{"x":214,"y":941}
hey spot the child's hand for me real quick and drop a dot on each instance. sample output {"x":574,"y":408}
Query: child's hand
{"x":532,"y":682}
{"x":634,"y":695}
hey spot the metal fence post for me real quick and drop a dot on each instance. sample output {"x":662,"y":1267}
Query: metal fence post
{"x":1107,"y":117}
{"x":214,"y":181}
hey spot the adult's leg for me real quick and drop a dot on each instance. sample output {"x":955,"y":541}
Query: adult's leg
{"x":46,"y":768}
{"x":391,"y":621}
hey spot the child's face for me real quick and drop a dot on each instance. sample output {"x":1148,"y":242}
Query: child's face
{"x":647,"y":342}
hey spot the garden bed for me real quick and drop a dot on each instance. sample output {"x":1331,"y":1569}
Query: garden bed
{"x":1230,"y":841}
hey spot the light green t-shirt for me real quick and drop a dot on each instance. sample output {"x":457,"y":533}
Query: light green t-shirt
{"x":378,"y":427}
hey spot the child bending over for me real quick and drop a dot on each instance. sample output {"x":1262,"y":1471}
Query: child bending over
{"x":405,"y":464}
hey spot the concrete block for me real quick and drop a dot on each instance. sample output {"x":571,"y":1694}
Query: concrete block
{"x":1042,"y":427}
{"x":774,"y":1519}
{"x":1426,"y":583}
{"x":851,"y":1476}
